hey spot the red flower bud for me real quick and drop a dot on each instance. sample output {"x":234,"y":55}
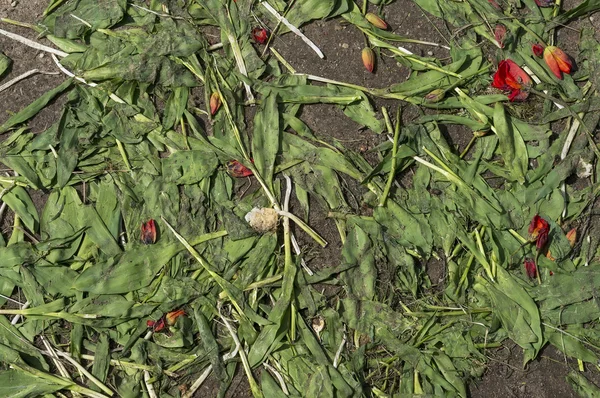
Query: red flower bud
{"x":368,"y":58}
{"x":530,"y":268}
{"x":215,"y":103}
{"x":376,"y":21}
{"x":148,"y":235}
{"x":260,"y":35}
{"x":538,"y":49}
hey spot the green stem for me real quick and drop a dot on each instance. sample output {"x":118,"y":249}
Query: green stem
{"x":390,"y":180}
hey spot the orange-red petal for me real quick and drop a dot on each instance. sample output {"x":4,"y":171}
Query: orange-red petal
{"x":557,"y":60}
{"x":173,"y":315}
{"x":572,"y":236}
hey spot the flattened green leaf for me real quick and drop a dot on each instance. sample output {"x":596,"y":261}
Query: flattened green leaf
{"x":512,"y":145}
{"x":266,"y":138}
{"x":32,"y":109}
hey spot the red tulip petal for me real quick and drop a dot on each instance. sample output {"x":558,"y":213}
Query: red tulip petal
{"x":551,"y":62}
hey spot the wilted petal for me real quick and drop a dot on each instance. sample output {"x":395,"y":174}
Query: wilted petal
{"x":500,"y":34}
{"x":544,"y":3}
{"x":557,"y":60}
{"x":510,"y":77}
{"x":237,"y":170}
{"x":530,"y":268}
{"x":572,"y":236}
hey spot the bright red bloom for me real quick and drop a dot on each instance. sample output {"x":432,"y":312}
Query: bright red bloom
{"x":500,"y":34}
{"x":237,"y":170}
{"x":558,"y":61}
{"x":544,"y":3}
{"x":530,"y":268}
{"x":148,"y":235}
{"x":537,"y":49}
{"x":260,"y":35}
{"x":538,"y":229}
{"x":510,"y":77}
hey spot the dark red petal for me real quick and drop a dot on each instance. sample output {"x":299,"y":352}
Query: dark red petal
{"x":542,"y":238}
{"x":537,"y":49}
{"x":500,"y":76}
{"x":500,"y":34}
{"x":148,"y":235}
{"x":518,"y":95}
{"x":530,"y":268}
{"x":237,"y":170}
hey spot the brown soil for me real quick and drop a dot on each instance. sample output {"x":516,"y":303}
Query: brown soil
{"x":342,"y":45}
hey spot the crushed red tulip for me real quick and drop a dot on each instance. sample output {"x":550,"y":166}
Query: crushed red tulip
{"x":148,"y":235}
{"x":237,"y":170}
{"x":260,"y":35}
{"x":157,"y":326}
{"x":558,"y":61}
{"x":500,"y":34}
{"x":538,"y":230}
{"x":168,"y":319}
{"x":510,"y":77}
{"x":530,"y":268}
{"x":537,"y":49}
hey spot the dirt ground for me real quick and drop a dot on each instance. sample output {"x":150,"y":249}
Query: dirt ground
{"x":342,"y":45}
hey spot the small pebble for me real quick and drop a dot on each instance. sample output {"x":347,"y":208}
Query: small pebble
{"x":430,"y":53}
{"x":14,"y":3}
{"x":345,"y":45}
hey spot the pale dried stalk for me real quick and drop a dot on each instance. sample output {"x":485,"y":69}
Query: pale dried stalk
{"x":294,"y":29}
{"x":23,"y":76}
{"x":32,"y":44}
